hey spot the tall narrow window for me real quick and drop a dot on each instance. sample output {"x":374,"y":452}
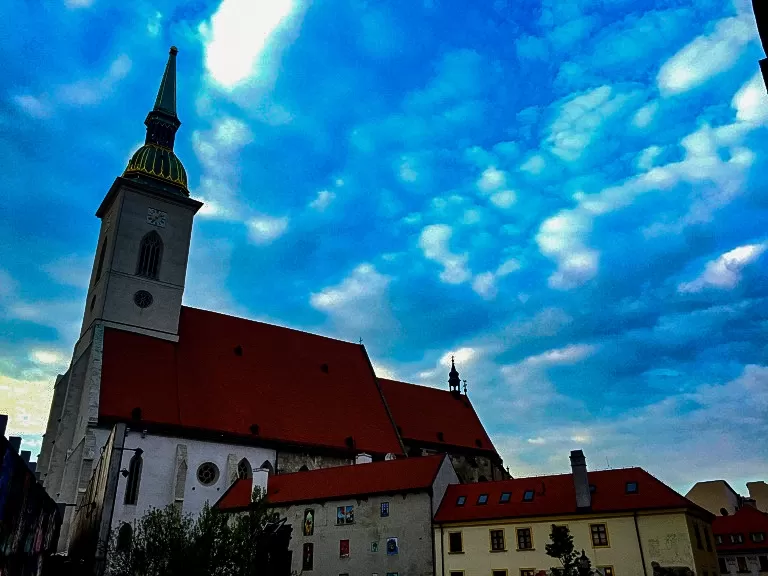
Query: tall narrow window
{"x":100,"y":265}
{"x":697,"y":533}
{"x":244,"y":469}
{"x":134,"y":479}
{"x":267,"y":465}
{"x":124,"y":537}
{"x":150,"y":254}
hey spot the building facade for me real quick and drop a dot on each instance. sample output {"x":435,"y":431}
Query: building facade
{"x":715,"y":496}
{"x":626,"y":521}
{"x":203,"y":394}
{"x":369,"y":518}
{"x":742,"y":541}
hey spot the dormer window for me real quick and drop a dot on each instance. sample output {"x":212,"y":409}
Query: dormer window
{"x":631,"y":487}
{"x":461,"y":500}
{"x":482,"y":499}
{"x":528,"y":496}
{"x":505,"y":496}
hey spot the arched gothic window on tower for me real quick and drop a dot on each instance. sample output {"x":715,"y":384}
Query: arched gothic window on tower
{"x":267,"y":465}
{"x":100,"y":265}
{"x":134,"y":479}
{"x":150,"y":254}
{"x":244,"y":469}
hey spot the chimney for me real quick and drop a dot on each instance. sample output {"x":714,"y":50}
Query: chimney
{"x":580,"y":480}
{"x":363,"y":458}
{"x":3,"y":423}
{"x":15,"y":442}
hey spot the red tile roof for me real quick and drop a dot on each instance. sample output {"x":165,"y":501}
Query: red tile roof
{"x":422,"y":412}
{"x":745,"y":521}
{"x":391,"y":476}
{"x":297,"y":387}
{"x":555,"y":495}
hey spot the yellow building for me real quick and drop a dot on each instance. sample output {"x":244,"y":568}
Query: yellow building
{"x":626,"y":521}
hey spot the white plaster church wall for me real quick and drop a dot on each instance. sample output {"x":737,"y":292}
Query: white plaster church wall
{"x":157,"y":486}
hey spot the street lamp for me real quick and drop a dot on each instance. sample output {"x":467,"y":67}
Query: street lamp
{"x":760,"y":8}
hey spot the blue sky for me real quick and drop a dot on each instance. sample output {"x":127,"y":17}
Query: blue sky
{"x":568,"y":196}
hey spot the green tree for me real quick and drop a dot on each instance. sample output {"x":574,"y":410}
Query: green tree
{"x":165,"y":542}
{"x":561,"y":547}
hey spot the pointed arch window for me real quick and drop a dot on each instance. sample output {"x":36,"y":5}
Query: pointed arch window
{"x":134,"y":479}
{"x":100,"y":265}
{"x":124,"y":537}
{"x":244,"y":469}
{"x":150,"y":255}
{"x":267,"y":465}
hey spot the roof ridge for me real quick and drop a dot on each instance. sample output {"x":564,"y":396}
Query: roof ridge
{"x":242,"y":319}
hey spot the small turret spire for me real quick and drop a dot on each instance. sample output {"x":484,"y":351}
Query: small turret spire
{"x":454,"y":382}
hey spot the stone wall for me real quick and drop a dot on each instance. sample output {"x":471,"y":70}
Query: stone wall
{"x":293,"y":461}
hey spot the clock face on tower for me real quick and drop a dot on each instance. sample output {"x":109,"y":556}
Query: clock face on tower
{"x":156,"y":217}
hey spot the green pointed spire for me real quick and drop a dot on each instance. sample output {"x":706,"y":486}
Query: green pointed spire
{"x":166,"y":96}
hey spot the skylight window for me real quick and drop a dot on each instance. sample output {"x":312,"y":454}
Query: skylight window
{"x":528,"y":496}
{"x":504,"y":497}
{"x":461,"y":500}
{"x":482,"y":499}
{"x":631,"y":487}
{"x":592,"y":488}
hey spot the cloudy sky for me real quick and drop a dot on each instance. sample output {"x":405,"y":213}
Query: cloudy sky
{"x":567,"y":195}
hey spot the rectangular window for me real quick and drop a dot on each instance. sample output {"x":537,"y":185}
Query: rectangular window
{"x":741,"y":562}
{"x":456,"y":573}
{"x":737,"y":539}
{"x":697,"y":533}
{"x":308,"y":556}
{"x":392,"y":574}
{"x":505,"y":496}
{"x":757,"y":536}
{"x":599,"y":534}
{"x":723,"y":566}
{"x":528,"y":496}
{"x":763,"y":563}
{"x":719,"y":539}
{"x":455,"y":543}
{"x":527,"y":571}
{"x":460,"y":500}
{"x":345,"y":515}
{"x":482,"y":499}
{"x":343,"y":548}
{"x":631,"y":487}
{"x":384,"y":509}
{"x":707,"y":539}
{"x":524,"y":539}
{"x":498,"y":573}
{"x":497,"y":540}
{"x":607,"y":570}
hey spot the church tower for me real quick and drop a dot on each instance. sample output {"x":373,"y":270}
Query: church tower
{"x":140,"y":265}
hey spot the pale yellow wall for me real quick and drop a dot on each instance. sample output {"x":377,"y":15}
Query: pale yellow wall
{"x":666,"y":539}
{"x":713,"y":495}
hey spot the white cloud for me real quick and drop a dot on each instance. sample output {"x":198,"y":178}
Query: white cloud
{"x":49,"y":358}
{"x":218,"y":151}
{"x":406,"y":170}
{"x":504,"y":198}
{"x":470,"y":217}
{"x":434,"y":243}
{"x":26,"y":402}
{"x":236,"y":36}
{"x":580,"y":118}
{"x":485,"y":285}
{"x":725,"y":271}
{"x":358,"y":304}
{"x":508,"y":266}
{"x":647,"y":157}
{"x":323,"y":200}
{"x":563,"y":238}
{"x":266,"y":229}
{"x":154,"y":24}
{"x":491,"y":179}
{"x":78,"y":3}
{"x":751,"y":101}
{"x":534,"y":165}
{"x":645,"y":115}
{"x":34,"y":106}
{"x":95,"y":90}
{"x":706,"y":56}
{"x":71,"y":270}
